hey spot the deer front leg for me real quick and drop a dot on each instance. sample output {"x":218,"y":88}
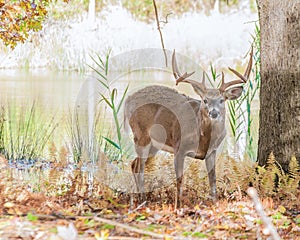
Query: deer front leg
{"x":210,"y":162}
{"x":179,"y":163}
{"x":138,"y":168}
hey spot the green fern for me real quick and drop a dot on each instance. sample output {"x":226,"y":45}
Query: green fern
{"x":234,"y":178}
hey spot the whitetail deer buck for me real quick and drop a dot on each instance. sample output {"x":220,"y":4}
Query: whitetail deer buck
{"x":162,"y":118}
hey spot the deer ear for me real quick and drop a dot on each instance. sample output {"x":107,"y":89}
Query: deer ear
{"x":233,"y":93}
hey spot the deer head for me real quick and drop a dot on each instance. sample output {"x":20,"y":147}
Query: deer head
{"x":215,"y":98}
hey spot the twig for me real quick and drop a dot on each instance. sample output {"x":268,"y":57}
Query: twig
{"x":160,"y":33}
{"x":138,"y":207}
{"x":133,"y":229}
{"x":166,"y":21}
{"x":260,"y":210}
{"x":121,"y":238}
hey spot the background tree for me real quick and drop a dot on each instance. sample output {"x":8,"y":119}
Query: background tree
{"x":18,"y":18}
{"x":279,"y":130}
{"x":92,"y":11}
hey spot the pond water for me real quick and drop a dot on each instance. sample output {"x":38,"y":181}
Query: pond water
{"x":54,"y":91}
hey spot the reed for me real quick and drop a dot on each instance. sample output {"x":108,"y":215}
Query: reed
{"x":242,"y":115}
{"x":253,"y":91}
{"x":24,"y":132}
{"x":110,"y":99}
{"x":82,"y":147}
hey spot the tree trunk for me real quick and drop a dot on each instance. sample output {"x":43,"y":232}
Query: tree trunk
{"x":92,"y":11}
{"x":279,"y":130}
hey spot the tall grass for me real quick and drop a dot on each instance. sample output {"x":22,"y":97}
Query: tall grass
{"x":81,"y":147}
{"x":236,"y":114}
{"x":240,"y":111}
{"x":24,"y":132}
{"x":109,"y":98}
{"x":253,"y":90}
{"x":75,"y":134}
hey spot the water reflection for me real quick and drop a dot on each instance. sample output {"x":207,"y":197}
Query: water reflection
{"x":54,"y":91}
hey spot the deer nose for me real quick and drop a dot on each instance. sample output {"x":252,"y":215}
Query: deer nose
{"x":213,"y":113}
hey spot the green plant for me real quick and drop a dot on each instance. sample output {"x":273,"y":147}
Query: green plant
{"x":83,"y":148}
{"x":241,"y":110}
{"x":74,"y":132}
{"x":236,"y":117}
{"x":24,"y":132}
{"x":239,"y":114}
{"x":214,"y":75}
{"x":31,"y":217}
{"x":2,"y":125}
{"x":253,"y":87}
{"x":235,"y":177}
{"x":234,"y":107}
{"x":64,"y":10}
{"x":143,"y":10}
{"x":110,"y":99}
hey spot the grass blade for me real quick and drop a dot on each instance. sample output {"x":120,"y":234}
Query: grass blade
{"x":112,"y":143}
{"x":122,"y":99}
{"x":106,"y":100}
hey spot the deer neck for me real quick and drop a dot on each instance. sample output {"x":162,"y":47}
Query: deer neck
{"x":218,"y":132}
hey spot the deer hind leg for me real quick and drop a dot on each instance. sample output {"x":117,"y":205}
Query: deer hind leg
{"x":139,"y":163}
{"x":143,"y":146}
{"x":179,"y":163}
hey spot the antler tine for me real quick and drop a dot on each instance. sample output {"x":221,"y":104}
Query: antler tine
{"x":223,"y":78}
{"x":176,"y":72}
{"x":243,"y":78}
{"x":249,"y":67}
{"x":224,"y":85}
{"x":184,"y":77}
{"x":192,"y":82}
{"x":178,"y":76}
{"x":203,"y":78}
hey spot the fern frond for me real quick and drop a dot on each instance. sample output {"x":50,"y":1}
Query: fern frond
{"x":294,"y":168}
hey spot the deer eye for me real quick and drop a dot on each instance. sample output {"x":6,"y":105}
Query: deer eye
{"x":222,"y":100}
{"x":205,"y":101}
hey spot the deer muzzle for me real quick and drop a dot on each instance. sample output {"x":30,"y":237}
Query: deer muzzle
{"x":213,"y":114}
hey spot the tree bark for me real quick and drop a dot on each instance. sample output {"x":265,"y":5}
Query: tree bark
{"x":279,"y":130}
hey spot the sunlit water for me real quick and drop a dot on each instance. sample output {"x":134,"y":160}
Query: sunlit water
{"x":55,"y":91}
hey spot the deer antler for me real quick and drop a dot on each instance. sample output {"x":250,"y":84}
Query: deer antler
{"x":183,"y":77}
{"x":178,"y":76}
{"x":243,"y":78}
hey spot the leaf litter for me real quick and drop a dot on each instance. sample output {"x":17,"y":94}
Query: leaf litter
{"x":74,"y":211}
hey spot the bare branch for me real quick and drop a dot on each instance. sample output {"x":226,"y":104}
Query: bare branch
{"x":160,"y":33}
{"x":134,"y":229}
{"x":260,"y":210}
{"x":138,"y":207}
{"x":166,"y":21}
